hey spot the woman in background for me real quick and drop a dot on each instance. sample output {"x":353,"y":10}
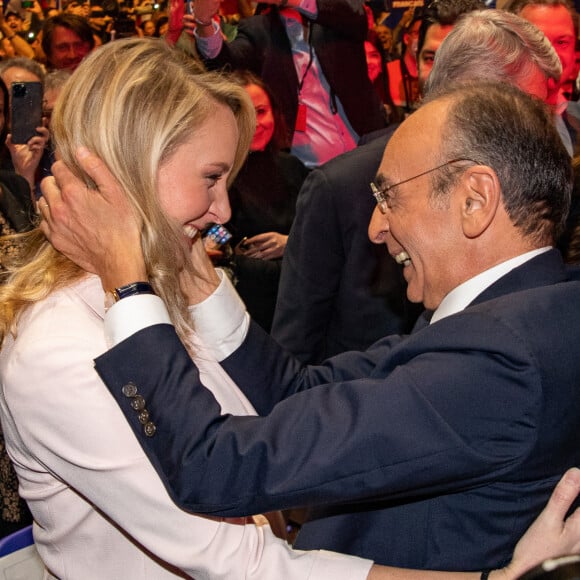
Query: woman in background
{"x":263,"y":199}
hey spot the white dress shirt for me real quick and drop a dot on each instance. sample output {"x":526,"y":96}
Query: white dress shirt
{"x":459,"y":298}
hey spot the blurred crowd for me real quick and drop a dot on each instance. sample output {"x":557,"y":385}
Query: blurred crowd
{"x":329,"y":82}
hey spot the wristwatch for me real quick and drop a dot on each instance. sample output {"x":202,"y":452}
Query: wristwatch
{"x":112,"y":296}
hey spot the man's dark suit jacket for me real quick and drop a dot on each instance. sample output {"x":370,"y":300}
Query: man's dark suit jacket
{"x":338,"y":291}
{"x":337,"y":36}
{"x":446,"y":443}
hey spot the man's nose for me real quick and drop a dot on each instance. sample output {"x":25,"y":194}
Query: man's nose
{"x":378,"y":226}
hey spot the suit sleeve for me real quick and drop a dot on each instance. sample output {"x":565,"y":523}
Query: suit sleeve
{"x":304,"y":305}
{"x":346,"y":17}
{"x":401,"y":420}
{"x":245,"y":51}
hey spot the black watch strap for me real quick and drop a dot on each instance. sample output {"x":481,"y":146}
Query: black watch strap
{"x":132,"y":289}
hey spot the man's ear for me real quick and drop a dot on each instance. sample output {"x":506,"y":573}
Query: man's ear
{"x":480,"y":198}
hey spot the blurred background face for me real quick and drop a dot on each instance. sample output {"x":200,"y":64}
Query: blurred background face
{"x":148,"y":28}
{"x":411,"y":38}
{"x":557,"y":25}
{"x":436,"y":34}
{"x":14,"y":22}
{"x":264,"y":118}
{"x":15,"y":74}
{"x":67,"y":49}
{"x":49,"y":100}
{"x":373,"y":60}
{"x":385,"y":36}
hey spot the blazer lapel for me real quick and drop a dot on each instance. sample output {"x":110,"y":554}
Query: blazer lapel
{"x":543,"y":270}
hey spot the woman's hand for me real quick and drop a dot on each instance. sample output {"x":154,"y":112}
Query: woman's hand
{"x":550,"y":535}
{"x":198,"y":283}
{"x":268,"y":246}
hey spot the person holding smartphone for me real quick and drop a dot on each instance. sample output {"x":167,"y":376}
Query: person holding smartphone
{"x":22,"y":150}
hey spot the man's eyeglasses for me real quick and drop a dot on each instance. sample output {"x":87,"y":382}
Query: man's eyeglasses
{"x":382,"y":196}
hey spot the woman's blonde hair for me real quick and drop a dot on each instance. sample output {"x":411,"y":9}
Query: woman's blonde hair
{"x":131,"y":102}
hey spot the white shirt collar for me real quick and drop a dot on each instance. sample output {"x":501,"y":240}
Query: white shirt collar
{"x":459,"y":298}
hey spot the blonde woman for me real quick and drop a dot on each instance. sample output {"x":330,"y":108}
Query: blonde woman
{"x":172,"y":139}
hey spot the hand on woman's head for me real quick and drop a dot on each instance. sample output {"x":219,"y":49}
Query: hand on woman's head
{"x":95,"y":228}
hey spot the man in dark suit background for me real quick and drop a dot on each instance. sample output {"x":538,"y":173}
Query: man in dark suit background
{"x":460,"y":429}
{"x":311,"y":55}
{"x":338,"y":291}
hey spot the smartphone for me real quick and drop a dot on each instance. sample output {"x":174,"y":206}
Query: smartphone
{"x":189,"y":7}
{"x":27,"y":3}
{"x":25,"y":110}
{"x":216,"y":236}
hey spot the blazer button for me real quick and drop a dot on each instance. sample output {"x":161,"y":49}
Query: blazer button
{"x":149,"y":429}
{"x":138,"y":403}
{"x":129,"y":390}
{"x":144,"y":417}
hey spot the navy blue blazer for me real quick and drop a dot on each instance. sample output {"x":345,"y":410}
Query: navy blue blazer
{"x":436,"y":450}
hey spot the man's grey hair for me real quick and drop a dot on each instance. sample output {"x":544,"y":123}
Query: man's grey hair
{"x":56,"y":79}
{"x":25,"y":63}
{"x":492,"y":45}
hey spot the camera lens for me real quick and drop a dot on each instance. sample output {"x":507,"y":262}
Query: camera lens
{"x":18,"y":89}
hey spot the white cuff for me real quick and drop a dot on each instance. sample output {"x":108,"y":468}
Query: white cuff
{"x":132,"y":314}
{"x":221,"y":320}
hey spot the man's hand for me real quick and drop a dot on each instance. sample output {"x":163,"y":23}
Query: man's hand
{"x":206,"y":9}
{"x":95,"y":228}
{"x":550,"y":535}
